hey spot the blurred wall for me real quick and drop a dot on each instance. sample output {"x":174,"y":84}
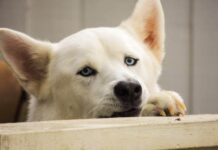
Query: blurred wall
{"x":191,"y":62}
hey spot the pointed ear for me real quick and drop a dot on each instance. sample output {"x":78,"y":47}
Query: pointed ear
{"x":147,"y":23}
{"x":27,"y":57}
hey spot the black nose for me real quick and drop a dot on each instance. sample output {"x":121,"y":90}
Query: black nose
{"x":128,"y":92}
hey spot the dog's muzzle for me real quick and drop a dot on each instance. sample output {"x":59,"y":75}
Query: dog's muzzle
{"x":129,"y":95}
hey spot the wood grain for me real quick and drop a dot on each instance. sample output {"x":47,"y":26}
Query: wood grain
{"x":151,"y":133}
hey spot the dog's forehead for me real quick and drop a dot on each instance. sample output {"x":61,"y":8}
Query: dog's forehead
{"x":99,"y":40}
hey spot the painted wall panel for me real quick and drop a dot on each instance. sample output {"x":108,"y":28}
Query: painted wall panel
{"x":53,"y":19}
{"x":205,"y":60}
{"x":12,"y":14}
{"x":176,"y":75}
{"x":106,"y":12}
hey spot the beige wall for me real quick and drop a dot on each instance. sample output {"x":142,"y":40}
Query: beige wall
{"x":190,"y":66}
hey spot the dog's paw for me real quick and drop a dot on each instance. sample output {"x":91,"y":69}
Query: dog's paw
{"x":165,"y":103}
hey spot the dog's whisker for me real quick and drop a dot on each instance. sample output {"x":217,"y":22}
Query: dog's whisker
{"x":94,"y":109}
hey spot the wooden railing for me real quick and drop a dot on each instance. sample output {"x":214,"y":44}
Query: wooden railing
{"x":142,"y":133}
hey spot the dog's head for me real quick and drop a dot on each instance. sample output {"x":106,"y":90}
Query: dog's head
{"x":99,"y":72}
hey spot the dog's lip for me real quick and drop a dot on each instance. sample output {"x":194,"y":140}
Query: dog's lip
{"x":133,"y":112}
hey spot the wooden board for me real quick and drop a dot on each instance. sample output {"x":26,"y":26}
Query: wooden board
{"x":113,"y":134}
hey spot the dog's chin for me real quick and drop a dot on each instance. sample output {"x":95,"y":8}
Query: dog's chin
{"x":133,"y":112}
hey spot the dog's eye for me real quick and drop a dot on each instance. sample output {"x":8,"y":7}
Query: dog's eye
{"x":129,"y":61}
{"x":87,"y":71}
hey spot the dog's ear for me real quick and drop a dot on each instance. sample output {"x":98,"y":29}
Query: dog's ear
{"x":28,"y":58}
{"x":147,"y":23}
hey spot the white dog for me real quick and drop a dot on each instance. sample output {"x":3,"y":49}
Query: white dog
{"x":99,"y":72}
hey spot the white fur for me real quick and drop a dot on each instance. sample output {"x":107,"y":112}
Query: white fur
{"x":63,"y":94}
{"x":74,"y":96}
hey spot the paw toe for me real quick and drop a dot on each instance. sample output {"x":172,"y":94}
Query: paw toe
{"x":166,"y":103}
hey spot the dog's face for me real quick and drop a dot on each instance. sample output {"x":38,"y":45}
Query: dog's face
{"x":105,"y":71}
{"x":99,"y":72}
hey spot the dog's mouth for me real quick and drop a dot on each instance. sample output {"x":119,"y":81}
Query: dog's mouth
{"x":129,"y":113}
{"x":133,"y":112}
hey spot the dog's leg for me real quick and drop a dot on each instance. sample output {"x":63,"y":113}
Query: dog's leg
{"x":164,"y":103}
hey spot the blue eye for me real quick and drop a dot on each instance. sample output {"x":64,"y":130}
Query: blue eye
{"x":87,"y":71}
{"x":129,"y":61}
